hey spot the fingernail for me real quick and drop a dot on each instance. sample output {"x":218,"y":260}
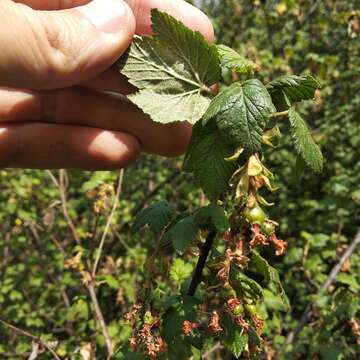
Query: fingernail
{"x":106,"y":15}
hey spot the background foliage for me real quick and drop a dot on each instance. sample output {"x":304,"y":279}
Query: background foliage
{"x":42,"y":289}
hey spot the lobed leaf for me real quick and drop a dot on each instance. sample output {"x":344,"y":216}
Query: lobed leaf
{"x":174,"y":70}
{"x":244,"y":285}
{"x":205,"y":158}
{"x":288,"y":89}
{"x":180,"y":271}
{"x":157,"y":216}
{"x":237,"y":344}
{"x":304,"y":143}
{"x":182,"y":233}
{"x":232,"y":60}
{"x":234,"y":339}
{"x":212,"y":218}
{"x":240,"y":113}
{"x":271,"y":276}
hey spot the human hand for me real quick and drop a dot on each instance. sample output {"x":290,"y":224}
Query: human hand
{"x":55,"y":75}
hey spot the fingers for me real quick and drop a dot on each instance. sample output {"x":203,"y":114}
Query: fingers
{"x":53,"y":49}
{"x":82,"y":107}
{"x":65,"y":147}
{"x":52,"y":4}
{"x":183,"y":11}
{"x":111,"y":80}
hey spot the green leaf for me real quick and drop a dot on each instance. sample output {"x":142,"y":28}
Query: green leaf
{"x":234,"y":339}
{"x":234,"y":61}
{"x":126,"y":355}
{"x":349,"y":280}
{"x":182,"y":233}
{"x":304,"y":143}
{"x":271,"y":275}
{"x":174,"y":70}
{"x":79,"y":310}
{"x":300,"y":167}
{"x":346,"y":303}
{"x":205,"y":158}
{"x":172,"y":323}
{"x":180,"y":271}
{"x":240,"y":112}
{"x":111,"y":281}
{"x":212,"y":218}
{"x":157,"y":216}
{"x":291,"y":88}
{"x":244,"y":285}
{"x":238,"y":344}
{"x":331,"y":352}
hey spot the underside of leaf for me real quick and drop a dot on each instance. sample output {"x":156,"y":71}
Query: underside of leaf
{"x":173,"y":70}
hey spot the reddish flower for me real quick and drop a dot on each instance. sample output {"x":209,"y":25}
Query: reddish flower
{"x":258,"y":238}
{"x":280,"y":245}
{"x":131,"y":315}
{"x":243,"y":323}
{"x":214,"y":323}
{"x":232,"y":304}
{"x":188,"y":327}
{"x":259,"y":324}
{"x":156,"y":346}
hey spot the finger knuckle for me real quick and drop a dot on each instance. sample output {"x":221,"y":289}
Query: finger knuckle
{"x":59,"y":50}
{"x":55,"y":103}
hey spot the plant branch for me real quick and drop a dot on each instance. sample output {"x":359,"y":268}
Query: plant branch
{"x":100,"y":317}
{"x":216,"y":347}
{"x":109,"y":221}
{"x":307,"y":314}
{"x":61,"y":185}
{"x":197,"y":276}
{"x":279,"y":114}
{"x":31,"y":336}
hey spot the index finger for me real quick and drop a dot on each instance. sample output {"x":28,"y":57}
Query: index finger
{"x":51,"y":4}
{"x":181,"y":10}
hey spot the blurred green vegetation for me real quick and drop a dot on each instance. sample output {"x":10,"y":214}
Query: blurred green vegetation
{"x":319,"y":214}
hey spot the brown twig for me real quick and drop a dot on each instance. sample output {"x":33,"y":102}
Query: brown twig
{"x":197,"y":276}
{"x":31,"y":336}
{"x":307,"y":314}
{"x":109,"y":221}
{"x":61,"y":185}
{"x":216,"y":347}
{"x":100,"y":317}
{"x":63,"y":197}
{"x":91,"y":287}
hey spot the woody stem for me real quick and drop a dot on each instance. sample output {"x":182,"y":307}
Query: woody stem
{"x":205,"y":250}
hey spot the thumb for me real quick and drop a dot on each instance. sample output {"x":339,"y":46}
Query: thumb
{"x":54,"y":49}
